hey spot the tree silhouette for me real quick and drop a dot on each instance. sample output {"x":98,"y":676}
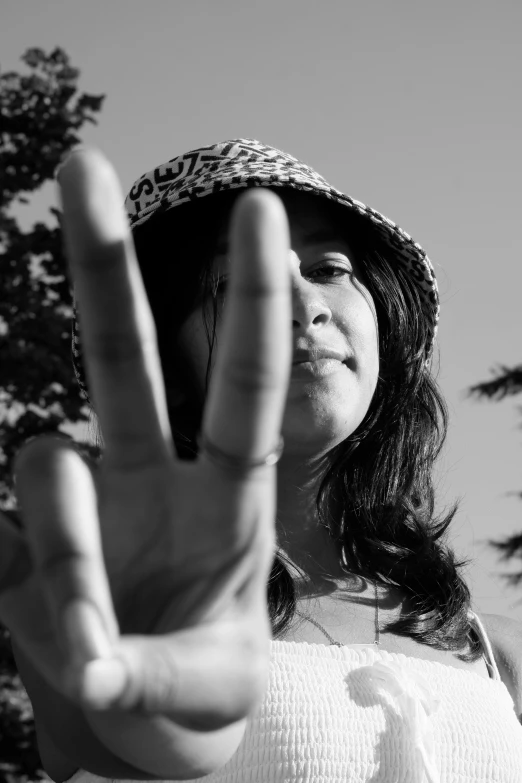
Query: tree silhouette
{"x":41,"y":113}
{"x":506,"y":382}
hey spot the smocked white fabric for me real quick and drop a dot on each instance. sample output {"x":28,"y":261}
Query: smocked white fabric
{"x":359,"y":714}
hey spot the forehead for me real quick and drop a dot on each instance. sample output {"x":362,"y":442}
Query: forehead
{"x":311,"y":215}
{"x":299,"y":204}
{"x":307,"y":215}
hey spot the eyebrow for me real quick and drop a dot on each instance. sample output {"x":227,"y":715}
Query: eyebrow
{"x":324,"y":235}
{"x":313,"y":238}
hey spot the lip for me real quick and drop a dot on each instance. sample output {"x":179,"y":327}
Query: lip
{"x":302,"y":356}
{"x":316,"y":362}
{"x":320,"y":368}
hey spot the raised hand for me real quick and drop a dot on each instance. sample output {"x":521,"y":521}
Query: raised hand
{"x":147,"y":594}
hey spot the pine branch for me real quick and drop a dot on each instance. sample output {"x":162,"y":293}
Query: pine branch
{"x":507,"y":381}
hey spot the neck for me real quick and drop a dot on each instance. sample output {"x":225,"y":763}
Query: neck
{"x":313,"y":553}
{"x":305,"y":542}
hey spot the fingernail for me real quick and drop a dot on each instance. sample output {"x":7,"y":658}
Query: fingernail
{"x":103,"y":682}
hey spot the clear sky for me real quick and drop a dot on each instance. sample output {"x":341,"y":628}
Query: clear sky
{"x":412,"y":107}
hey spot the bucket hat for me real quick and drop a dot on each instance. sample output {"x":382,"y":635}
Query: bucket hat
{"x":245,"y":163}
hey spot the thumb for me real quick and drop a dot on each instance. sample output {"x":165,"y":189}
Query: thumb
{"x":95,"y":677}
{"x":203,"y":678}
{"x":63,"y":615}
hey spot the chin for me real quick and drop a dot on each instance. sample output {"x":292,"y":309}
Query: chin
{"x":316,"y":433}
{"x":321,"y":415}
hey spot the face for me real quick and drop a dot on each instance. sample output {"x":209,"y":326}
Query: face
{"x":335,"y":342}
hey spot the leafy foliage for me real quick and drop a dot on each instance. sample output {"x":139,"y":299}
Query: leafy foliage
{"x":505,"y":383}
{"x":19,"y":757}
{"x":41,"y":113}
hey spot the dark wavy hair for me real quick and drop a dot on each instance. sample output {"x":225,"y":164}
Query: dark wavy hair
{"x":376,"y":496}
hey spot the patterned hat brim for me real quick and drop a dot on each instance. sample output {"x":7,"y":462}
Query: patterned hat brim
{"x":246,"y":163}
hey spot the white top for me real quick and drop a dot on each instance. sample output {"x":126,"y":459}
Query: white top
{"x":359,"y":714}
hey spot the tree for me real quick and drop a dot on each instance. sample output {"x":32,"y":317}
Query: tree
{"x":506,"y":382}
{"x":41,"y":113}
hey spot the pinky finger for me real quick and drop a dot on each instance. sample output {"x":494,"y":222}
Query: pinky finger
{"x":58,"y":498}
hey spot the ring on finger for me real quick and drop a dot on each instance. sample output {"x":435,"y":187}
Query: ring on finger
{"x":234,"y":463}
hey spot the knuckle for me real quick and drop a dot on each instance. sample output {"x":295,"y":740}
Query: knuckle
{"x":63,"y":574}
{"x":119,"y":350}
{"x":250,"y":378}
{"x":55,"y":565}
{"x":114,"y":348}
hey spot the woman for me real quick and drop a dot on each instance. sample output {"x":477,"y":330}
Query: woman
{"x":143,"y":633}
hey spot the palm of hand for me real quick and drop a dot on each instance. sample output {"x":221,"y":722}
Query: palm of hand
{"x":191,"y":559}
{"x":163,"y":564}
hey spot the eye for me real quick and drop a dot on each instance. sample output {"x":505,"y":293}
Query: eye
{"x":331,"y":269}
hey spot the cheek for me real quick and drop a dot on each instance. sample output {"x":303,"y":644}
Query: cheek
{"x":359,"y":324}
{"x":357,"y":320}
{"x":371,"y":350}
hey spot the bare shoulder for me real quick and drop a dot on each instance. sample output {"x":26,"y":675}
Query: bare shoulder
{"x":505,"y":635}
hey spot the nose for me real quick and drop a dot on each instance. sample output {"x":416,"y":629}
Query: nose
{"x":309,"y":310}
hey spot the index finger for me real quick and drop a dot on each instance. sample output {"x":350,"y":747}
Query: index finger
{"x":117,"y":328}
